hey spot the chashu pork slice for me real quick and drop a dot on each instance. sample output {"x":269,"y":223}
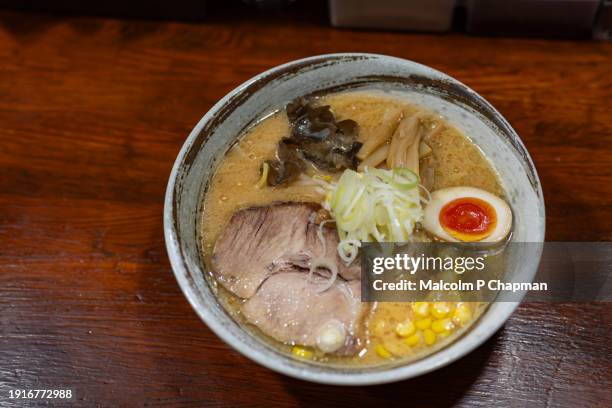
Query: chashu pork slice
{"x":261,"y":241}
{"x":291,"y":308}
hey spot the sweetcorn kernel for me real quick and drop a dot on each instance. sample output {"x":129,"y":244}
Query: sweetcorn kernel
{"x":421,"y":309}
{"x":442,"y":325}
{"x":440,"y":309}
{"x":405,"y":329}
{"x":382,"y":351}
{"x":301,"y":352}
{"x":380,"y":328}
{"x":443,"y":335}
{"x":413,"y":340}
{"x":462,"y":314}
{"x":429,"y":336}
{"x":423,"y":323}
{"x":395,"y":347}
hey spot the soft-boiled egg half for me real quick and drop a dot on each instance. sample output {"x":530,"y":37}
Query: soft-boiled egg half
{"x":467,"y":214}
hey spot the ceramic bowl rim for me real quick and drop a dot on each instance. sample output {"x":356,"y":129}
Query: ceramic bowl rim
{"x":469,"y":341}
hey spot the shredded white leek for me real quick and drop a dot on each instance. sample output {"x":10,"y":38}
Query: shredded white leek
{"x":328,"y":264}
{"x":321,"y":237}
{"x":374,"y":206}
{"x":427,"y":193}
{"x":323,"y":261}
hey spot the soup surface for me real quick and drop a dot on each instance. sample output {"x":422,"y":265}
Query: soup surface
{"x":393,"y":332}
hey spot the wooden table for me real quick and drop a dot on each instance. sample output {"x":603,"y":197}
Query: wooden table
{"x":92,"y":115}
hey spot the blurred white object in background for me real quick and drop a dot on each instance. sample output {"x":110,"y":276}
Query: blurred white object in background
{"x":418,"y":15}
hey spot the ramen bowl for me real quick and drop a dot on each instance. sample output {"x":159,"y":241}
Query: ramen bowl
{"x":266,"y":93}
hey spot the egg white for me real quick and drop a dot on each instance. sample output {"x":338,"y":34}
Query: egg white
{"x":439,"y":198}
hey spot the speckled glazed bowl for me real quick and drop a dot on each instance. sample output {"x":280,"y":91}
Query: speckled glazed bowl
{"x":271,"y":90}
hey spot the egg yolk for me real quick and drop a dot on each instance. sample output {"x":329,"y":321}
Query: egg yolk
{"x":468,"y":219}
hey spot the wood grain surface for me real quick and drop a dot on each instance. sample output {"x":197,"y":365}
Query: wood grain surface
{"x":92,"y":115}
